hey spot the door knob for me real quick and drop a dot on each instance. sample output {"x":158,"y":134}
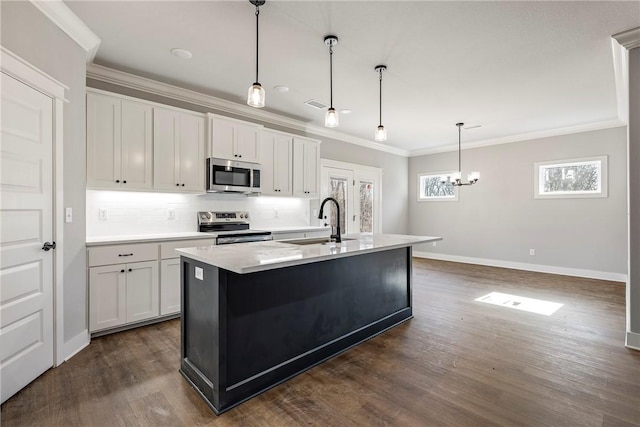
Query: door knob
{"x":48,"y":246}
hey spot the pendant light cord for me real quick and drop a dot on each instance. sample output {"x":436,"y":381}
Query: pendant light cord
{"x":257,"y":39}
{"x":459,"y":152}
{"x":331,"y":74}
{"x":380,"y":96}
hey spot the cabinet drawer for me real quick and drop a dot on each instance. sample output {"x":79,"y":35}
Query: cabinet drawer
{"x":167,"y":249}
{"x":106,"y":255}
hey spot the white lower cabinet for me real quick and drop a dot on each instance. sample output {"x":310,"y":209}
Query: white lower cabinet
{"x":301,"y":235}
{"x":122,"y":293}
{"x":169,"y":286}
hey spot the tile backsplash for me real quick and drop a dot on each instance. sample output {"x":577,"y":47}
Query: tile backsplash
{"x":111,"y":213}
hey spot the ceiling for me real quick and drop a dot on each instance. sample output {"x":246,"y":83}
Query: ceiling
{"x":514,"y":68}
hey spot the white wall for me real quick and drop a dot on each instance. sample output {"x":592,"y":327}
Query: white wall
{"x":132,"y":212}
{"x":32,"y":36}
{"x":499,"y":219}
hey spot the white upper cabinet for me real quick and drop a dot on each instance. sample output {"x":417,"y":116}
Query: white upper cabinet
{"x":234,"y":139}
{"x":119,"y":143}
{"x":277,"y":163}
{"x":306,"y":167}
{"x":178,"y":154}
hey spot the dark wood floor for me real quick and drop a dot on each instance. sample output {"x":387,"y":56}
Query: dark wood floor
{"x":457,"y":363}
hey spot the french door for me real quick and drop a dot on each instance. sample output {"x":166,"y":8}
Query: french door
{"x":357,"y":189}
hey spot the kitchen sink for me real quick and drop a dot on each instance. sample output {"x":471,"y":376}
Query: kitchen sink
{"x":313,"y":241}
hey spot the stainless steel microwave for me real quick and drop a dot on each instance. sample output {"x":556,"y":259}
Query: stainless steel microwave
{"x":230,"y":176}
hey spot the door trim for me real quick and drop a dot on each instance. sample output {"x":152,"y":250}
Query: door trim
{"x":30,"y":75}
{"x":357,"y":171}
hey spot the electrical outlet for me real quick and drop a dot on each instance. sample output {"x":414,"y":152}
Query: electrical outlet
{"x":68,"y":215}
{"x":103,"y":214}
{"x":275,"y":213}
{"x":532,"y":252}
{"x":171,"y":213}
{"x":434,"y":244}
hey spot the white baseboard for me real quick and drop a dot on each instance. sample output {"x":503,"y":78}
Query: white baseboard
{"x":633,"y":341}
{"x":76,"y":344}
{"x":552,"y":269}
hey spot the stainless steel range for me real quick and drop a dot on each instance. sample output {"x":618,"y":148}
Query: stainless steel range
{"x":230,"y":227}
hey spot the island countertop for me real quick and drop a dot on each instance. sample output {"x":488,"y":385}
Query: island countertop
{"x":260,"y":256}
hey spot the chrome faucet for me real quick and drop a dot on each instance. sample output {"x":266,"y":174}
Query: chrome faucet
{"x":337,"y":235}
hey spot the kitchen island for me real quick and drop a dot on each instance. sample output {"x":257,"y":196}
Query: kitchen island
{"x":256,"y":314}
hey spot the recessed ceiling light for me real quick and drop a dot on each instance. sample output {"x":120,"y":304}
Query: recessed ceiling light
{"x":281,"y":89}
{"x":182,"y":53}
{"x":345,"y":111}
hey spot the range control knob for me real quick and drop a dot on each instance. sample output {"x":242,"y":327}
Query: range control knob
{"x":241,"y":215}
{"x":246,"y":215}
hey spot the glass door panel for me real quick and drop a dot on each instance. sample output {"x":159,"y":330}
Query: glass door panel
{"x":366,"y":203}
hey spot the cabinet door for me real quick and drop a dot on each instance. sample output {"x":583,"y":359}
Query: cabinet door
{"x":191,"y":153}
{"x":166,"y":128}
{"x":222,"y":137}
{"x":170,"y":286}
{"x":247,"y":143}
{"x":311,"y":168}
{"x":136,"y":152}
{"x":282,"y":164}
{"x":306,"y":165}
{"x":267,"y":164}
{"x":142,"y":291}
{"x":107,"y":297}
{"x":103,"y":141}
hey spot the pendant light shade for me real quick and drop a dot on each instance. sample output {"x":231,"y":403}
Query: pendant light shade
{"x":381,"y":132}
{"x":331,"y":119}
{"x":256,"y":96}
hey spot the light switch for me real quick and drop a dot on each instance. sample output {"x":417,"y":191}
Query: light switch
{"x":199,"y":273}
{"x":102,"y":214}
{"x":68,"y":215}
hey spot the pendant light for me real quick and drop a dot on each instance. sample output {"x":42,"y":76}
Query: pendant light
{"x":255,"y":97}
{"x":331,"y":118}
{"x":456,"y":178}
{"x":381,"y":132}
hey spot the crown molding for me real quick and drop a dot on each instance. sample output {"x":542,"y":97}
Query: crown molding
{"x":131,"y":81}
{"x":521,"y":137}
{"x":72,"y":26}
{"x":630,"y":39}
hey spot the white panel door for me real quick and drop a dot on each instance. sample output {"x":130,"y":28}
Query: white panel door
{"x":222,"y":143}
{"x":282,"y":162}
{"x":26,"y":222}
{"x":169,"y":286}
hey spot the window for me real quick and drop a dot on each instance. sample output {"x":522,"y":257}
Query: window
{"x":586,"y":177}
{"x":431,"y":188}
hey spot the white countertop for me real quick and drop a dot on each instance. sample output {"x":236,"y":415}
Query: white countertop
{"x":260,"y":256}
{"x":161,"y":237}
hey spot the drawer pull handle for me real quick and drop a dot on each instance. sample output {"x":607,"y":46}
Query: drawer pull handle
{"x":121,"y":271}
{"x":131,"y":254}
{"x":130,"y":270}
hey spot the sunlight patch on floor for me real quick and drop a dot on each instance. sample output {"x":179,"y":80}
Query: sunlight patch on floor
{"x":521,"y":303}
